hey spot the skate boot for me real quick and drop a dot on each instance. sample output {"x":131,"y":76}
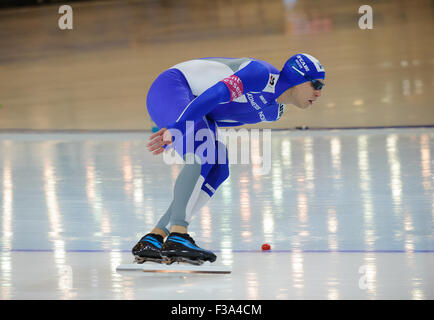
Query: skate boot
{"x":149,"y":249}
{"x":180,"y":247}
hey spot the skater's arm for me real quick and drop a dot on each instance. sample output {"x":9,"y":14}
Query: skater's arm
{"x":225,"y":123}
{"x":253,"y":77}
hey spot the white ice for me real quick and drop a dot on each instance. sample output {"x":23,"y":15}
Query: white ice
{"x":348,"y":214}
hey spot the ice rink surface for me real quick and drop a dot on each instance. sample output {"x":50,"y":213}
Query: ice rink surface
{"x":348,"y":214}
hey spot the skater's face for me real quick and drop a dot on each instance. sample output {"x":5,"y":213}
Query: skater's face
{"x":302,"y":95}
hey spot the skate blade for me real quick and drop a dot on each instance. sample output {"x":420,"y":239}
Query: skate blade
{"x":180,"y":260}
{"x":141,"y":260}
{"x":176,"y":268}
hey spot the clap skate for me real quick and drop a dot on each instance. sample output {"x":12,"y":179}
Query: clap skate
{"x":181,"y":248}
{"x":149,"y":249}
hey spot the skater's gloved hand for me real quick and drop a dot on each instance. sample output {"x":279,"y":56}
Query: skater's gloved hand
{"x":159,"y":140}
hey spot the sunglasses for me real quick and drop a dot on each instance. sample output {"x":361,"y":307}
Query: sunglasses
{"x":316,"y":84}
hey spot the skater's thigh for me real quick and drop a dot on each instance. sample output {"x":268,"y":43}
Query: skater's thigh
{"x":168,"y":96}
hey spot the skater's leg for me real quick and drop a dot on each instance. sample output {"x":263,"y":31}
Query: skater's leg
{"x":167,"y":98}
{"x":179,"y":246}
{"x":148,"y":248}
{"x":216,"y":176}
{"x":218,"y":173}
{"x":185,"y":193}
{"x":198,"y":165}
{"x":188,"y":197}
{"x":182,"y":192}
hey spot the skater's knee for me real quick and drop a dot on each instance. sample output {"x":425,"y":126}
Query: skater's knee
{"x":221,"y":172}
{"x":224,"y":172}
{"x":192,"y":158}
